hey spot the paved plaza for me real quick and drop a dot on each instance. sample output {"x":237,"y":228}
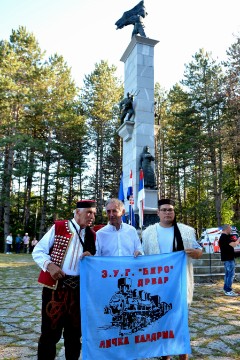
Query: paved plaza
{"x":214,"y":317}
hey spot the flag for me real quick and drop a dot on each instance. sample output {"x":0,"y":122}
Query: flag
{"x":120,"y":191}
{"x":121,"y":196}
{"x":141,"y":197}
{"x":141,"y":313}
{"x":130,"y":186}
{"x":131,"y":217}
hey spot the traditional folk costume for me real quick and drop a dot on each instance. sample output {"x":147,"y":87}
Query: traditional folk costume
{"x":159,"y":239}
{"x":151,"y":246}
{"x":63,"y":244}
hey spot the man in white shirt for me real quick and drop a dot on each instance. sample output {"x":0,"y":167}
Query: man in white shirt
{"x":58,"y":253}
{"x":169,"y":236}
{"x":9,"y":241}
{"x":117,"y":238}
{"x":26,"y":240}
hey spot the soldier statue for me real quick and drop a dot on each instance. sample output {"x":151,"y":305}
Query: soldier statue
{"x":126,"y":108}
{"x":134,"y":17}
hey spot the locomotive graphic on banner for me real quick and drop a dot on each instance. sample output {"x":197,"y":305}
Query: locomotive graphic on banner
{"x":133,"y":309}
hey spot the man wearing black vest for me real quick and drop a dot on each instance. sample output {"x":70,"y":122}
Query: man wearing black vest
{"x":58,"y":254}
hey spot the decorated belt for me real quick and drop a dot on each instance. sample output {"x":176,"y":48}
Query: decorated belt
{"x":71,"y":281}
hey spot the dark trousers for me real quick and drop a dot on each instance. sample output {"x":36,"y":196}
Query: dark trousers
{"x":9,"y":248}
{"x":60,"y":315}
{"x":18,"y":247}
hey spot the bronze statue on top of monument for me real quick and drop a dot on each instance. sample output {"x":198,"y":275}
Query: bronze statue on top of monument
{"x":134,"y":17}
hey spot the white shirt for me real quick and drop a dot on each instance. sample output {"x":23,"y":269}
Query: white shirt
{"x":70,"y":266}
{"x":26,"y":239}
{"x":113,"y":242}
{"x":165,"y":237}
{"x":9,"y":239}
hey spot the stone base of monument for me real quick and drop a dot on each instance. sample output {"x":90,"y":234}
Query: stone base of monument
{"x":151,"y":201}
{"x":126,"y":130}
{"x":150,"y":209}
{"x":149,"y":219}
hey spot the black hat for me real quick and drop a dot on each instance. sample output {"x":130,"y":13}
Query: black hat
{"x":165,"y":201}
{"x":86,"y":204}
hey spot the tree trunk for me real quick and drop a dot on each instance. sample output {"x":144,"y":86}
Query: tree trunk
{"x":7,"y":189}
{"x":29,"y":181}
{"x":45,"y":195}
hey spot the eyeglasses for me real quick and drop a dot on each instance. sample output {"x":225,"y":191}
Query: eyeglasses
{"x":167,"y":210}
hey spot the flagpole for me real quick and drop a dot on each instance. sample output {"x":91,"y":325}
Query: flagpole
{"x":141,"y":197}
{"x":121,"y":196}
{"x":130,"y":198}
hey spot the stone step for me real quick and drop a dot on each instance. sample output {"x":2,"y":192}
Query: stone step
{"x":210,"y":268}
{"x":207,"y":278}
{"x":206,"y":262}
{"x":207,"y":269}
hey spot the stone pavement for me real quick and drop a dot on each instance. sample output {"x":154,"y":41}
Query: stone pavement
{"x":213,"y":317}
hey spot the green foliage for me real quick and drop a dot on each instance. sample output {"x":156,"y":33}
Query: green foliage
{"x":42,"y":134}
{"x":59,"y":143}
{"x":195,"y":147}
{"x":99,"y":96}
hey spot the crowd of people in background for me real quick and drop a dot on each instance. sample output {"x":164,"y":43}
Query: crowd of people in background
{"x":21,"y":244}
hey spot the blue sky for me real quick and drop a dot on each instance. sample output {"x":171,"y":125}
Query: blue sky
{"x":83,"y":31}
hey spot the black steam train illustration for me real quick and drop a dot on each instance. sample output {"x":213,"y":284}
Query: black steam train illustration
{"x":134,"y":309}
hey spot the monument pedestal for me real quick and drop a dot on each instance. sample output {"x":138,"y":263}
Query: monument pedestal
{"x":151,"y":201}
{"x":150,"y":209}
{"x":126,"y":130}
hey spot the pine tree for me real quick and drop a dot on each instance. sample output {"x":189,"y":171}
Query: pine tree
{"x":19,"y":59}
{"x":204,"y":84}
{"x":100,"y":96}
{"x":232,"y":129}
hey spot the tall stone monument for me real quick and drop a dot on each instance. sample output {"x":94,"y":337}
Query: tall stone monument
{"x":137,"y":113}
{"x":138,"y":132}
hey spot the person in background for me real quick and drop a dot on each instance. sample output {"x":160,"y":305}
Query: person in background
{"x":9,"y":240}
{"x":26,"y":240}
{"x":117,"y":238}
{"x":33,"y":244}
{"x":216,"y":245}
{"x":18,"y":242}
{"x":169,"y":236}
{"x":227,"y":246}
{"x":58,"y":253}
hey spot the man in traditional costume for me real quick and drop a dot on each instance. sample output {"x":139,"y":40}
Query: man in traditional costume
{"x":169,"y":236}
{"x":58,"y":254}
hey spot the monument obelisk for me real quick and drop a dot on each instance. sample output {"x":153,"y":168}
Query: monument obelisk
{"x":137,"y":122}
{"x":137,"y":133}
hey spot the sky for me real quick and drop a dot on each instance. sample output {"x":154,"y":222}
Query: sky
{"x":84,"y":31}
